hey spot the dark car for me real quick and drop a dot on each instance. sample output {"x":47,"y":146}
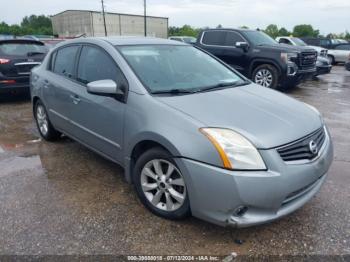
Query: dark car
{"x":17,"y":58}
{"x":317,"y":41}
{"x":347,"y":66}
{"x":259,"y":57}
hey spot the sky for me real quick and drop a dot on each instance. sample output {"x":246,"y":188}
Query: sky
{"x":325,"y":15}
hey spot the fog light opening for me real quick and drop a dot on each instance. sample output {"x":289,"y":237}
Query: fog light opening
{"x":240,"y":211}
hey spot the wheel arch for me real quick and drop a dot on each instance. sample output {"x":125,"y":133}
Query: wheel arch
{"x":257,"y":62}
{"x":141,"y":145}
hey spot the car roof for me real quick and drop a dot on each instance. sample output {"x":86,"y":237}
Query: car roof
{"x":131,"y":40}
{"x":231,"y":29}
{"x":21,"y":41}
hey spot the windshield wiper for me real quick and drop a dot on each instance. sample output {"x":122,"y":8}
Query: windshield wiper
{"x":224,"y":84}
{"x":173,"y":92}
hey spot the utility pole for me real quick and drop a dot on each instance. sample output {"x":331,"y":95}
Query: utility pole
{"x":145,"y":17}
{"x":104,"y":17}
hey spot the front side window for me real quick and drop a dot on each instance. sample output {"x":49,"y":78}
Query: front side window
{"x":232,"y":38}
{"x":65,"y":60}
{"x":285,"y":41}
{"x":95,"y":64}
{"x":182,"y":68}
{"x":214,"y":38}
{"x":259,"y":38}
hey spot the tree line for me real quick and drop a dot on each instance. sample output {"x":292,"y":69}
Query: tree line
{"x":30,"y":25}
{"x":272,"y":30}
{"x":41,"y":25}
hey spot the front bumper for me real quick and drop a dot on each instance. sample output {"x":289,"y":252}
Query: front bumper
{"x":324,"y":69}
{"x":293,"y":76}
{"x":216,"y":194}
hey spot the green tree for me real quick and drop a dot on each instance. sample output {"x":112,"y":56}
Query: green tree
{"x":272,"y":30}
{"x":185,"y":30}
{"x":40,"y":25}
{"x":244,"y":27}
{"x":305,"y":30}
{"x":283,"y":32}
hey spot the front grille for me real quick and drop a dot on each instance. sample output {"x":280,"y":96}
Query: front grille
{"x":307,"y":60}
{"x":302,"y":149}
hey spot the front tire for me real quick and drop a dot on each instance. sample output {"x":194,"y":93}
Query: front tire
{"x":160,"y":185}
{"x":266,"y":75}
{"x":331,"y":59}
{"x":46,"y":130}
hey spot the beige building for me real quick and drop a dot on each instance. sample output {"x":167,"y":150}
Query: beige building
{"x":72,"y":23}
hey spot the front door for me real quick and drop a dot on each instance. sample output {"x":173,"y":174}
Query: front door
{"x":98,"y":120}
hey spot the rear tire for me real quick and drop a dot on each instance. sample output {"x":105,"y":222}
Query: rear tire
{"x":163,"y":192}
{"x":45,"y":128}
{"x":266,"y":75}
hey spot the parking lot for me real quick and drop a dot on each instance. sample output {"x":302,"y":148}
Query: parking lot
{"x":61,"y":198}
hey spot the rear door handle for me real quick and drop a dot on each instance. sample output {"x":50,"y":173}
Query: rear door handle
{"x":75,"y":98}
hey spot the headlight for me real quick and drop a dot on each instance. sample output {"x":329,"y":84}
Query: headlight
{"x":236,"y":151}
{"x":288,"y":57}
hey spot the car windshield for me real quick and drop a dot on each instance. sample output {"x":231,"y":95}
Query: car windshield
{"x":298,"y":41}
{"x":259,"y":38}
{"x":189,"y":40}
{"x":21,"y":49}
{"x":176,"y":69}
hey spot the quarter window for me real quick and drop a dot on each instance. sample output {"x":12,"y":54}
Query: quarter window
{"x":65,"y":61}
{"x":214,"y":38}
{"x":95,"y":64}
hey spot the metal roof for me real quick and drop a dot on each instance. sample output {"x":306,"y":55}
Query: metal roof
{"x":92,"y":11}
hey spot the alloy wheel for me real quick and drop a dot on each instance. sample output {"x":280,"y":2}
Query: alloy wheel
{"x":41,"y":118}
{"x":264,"y":78}
{"x":163,"y":185}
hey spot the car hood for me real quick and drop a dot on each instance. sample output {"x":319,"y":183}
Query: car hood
{"x":267,"y":118}
{"x":287,"y":48}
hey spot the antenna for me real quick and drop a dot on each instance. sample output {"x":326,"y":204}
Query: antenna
{"x":104,"y":17}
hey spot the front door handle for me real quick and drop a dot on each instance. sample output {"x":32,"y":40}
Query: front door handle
{"x":75,"y":98}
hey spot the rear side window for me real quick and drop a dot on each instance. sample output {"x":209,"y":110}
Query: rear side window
{"x":95,"y":64}
{"x":214,"y":38}
{"x":342,"y":47}
{"x":65,"y":61}
{"x":232,"y":38}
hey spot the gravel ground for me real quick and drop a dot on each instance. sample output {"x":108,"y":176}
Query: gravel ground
{"x":61,"y":198}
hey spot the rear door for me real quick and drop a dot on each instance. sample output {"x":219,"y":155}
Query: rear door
{"x":98,"y":120}
{"x":341,"y":53}
{"x":57,"y":85}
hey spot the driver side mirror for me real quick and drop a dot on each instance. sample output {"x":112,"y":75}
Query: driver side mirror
{"x":105,"y":87}
{"x":243,"y":45}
